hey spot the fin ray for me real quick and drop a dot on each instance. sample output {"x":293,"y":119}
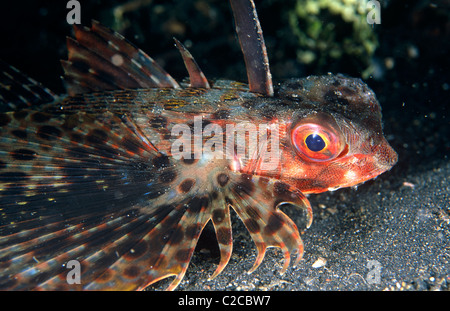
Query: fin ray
{"x":267,"y":225}
{"x":253,"y":47}
{"x":17,"y":91}
{"x":100,"y":59}
{"x":196,"y":76}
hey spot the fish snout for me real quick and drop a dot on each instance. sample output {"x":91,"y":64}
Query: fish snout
{"x":385,"y":156}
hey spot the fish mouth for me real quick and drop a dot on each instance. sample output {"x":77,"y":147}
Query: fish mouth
{"x":359,"y":168}
{"x":382,"y":158}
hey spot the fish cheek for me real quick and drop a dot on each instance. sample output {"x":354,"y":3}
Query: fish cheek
{"x":333,"y":176}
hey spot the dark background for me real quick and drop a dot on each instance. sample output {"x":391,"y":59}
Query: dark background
{"x":401,"y":219}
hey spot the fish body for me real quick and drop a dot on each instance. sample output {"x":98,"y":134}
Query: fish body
{"x":123,"y":174}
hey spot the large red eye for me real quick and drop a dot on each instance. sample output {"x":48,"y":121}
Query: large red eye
{"x":315,"y":142}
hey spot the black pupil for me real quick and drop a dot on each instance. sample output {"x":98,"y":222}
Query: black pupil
{"x":315,"y":142}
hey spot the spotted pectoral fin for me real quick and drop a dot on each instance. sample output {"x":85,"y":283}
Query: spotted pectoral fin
{"x":93,"y":190}
{"x":100,"y":59}
{"x":256,"y":200}
{"x":78,"y":187}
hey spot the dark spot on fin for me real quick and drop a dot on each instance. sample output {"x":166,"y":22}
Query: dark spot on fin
{"x":167,"y":176}
{"x":186,"y":185}
{"x":196,"y":76}
{"x":100,"y":59}
{"x":23,"y":154}
{"x":161,"y":161}
{"x":18,"y":91}
{"x":222,"y":179}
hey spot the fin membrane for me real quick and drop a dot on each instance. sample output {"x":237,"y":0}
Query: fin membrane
{"x":18,"y":91}
{"x":100,"y":59}
{"x":256,"y":200}
{"x":74,"y":188}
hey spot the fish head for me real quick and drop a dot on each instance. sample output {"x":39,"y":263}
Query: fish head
{"x":334,"y":138}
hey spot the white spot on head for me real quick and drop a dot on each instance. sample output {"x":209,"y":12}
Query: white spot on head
{"x":351,"y":175}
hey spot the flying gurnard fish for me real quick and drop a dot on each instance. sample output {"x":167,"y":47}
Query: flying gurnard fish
{"x":94,"y":176}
